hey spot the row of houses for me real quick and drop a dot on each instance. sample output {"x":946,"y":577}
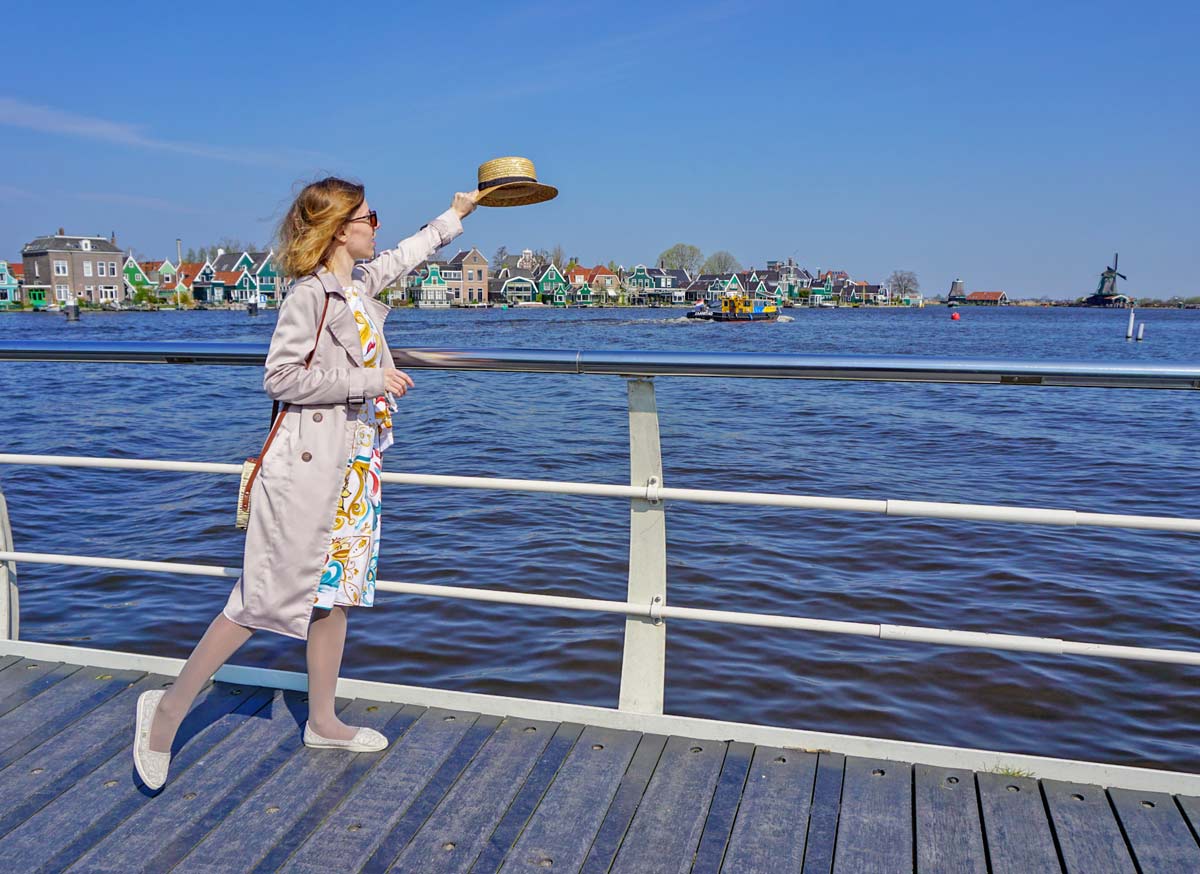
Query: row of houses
{"x":57,"y":269}
{"x":468,"y":279}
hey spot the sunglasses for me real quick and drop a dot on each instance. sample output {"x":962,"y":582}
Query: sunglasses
{"x":372,"y":217}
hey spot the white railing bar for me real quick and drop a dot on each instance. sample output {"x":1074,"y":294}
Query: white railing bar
{"x":901,"y":633}
{"x":886,"y":507}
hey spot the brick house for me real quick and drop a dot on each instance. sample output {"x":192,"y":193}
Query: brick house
{"x":466,"y":276}
{"x":60,"y":268}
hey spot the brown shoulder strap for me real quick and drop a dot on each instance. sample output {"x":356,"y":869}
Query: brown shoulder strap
{"x":281,"y":412}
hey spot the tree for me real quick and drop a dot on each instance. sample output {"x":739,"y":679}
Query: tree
{"x":191,"y":255}
{"x":498,"y":258}
{"x":540,"y":259}
{"x":721,"y":262}
{"x":558,"y":256}
{"x":903,"y":283}
{"x":681,"y":256}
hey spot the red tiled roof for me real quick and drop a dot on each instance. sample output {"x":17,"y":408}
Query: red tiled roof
{"x":17,"y":268}
{"x":150,"y":265}
{"x":229,"y":277}
{"x":985,"y":295}
{"x":599,"y":270}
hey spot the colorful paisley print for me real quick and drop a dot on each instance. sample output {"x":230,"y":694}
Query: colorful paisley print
{"x":353,"y":557}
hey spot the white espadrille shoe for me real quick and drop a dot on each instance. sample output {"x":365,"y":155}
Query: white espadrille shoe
{"x":151,"y":766}
{"x":365,"y":740}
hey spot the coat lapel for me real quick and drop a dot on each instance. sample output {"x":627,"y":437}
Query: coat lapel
{"x":339,"y":320}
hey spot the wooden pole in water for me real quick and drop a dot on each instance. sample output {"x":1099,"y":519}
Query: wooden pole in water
{"x":1129,"y":330}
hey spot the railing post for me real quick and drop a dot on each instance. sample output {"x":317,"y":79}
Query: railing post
{"x":643,"y":664}
{"x":10,"y":608}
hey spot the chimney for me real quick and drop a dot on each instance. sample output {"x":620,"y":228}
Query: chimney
{"x":178,"y":251}
{"x":113,"y":238}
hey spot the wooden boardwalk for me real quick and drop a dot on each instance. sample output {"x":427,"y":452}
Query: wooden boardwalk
{"x":458,"y":791}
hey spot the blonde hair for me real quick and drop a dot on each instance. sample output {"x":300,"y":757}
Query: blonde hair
{"x":307,"y":230}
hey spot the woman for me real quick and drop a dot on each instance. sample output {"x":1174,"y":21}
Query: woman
{"x":312,"y":544}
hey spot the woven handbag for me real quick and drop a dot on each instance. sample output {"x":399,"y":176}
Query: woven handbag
{"x":251,"y":466}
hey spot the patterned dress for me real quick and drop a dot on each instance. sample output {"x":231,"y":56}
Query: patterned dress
{"x":353,"y":557}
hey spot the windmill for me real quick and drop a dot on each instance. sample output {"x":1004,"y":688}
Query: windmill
{"x":1108,"y":280}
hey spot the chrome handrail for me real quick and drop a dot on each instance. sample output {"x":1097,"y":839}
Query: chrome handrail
{"x":879,"y":368}
{"x":646,"y":608}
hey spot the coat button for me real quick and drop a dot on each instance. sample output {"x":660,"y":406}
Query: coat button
{"x":306,"y":456}
{"x":317,"y":417}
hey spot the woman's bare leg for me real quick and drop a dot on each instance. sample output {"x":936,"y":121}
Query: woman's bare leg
{"x":326,"y":640}
{"x":223,"y":638}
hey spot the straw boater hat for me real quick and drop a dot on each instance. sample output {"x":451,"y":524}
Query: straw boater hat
{"x":511,"y":182}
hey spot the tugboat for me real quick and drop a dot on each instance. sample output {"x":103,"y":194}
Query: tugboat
{"x":738,"y":307}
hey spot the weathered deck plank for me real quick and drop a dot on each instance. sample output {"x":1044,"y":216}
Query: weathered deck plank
{"x":458,"y":791}
{"x":158,"y":834}
{"x":624,"y":804}
{"x":457,"y":830}
{"x":722,"y":813}
{"x":665,"y":831}
{"x":772,"y":821}
{"x":28,"y":678}
{"x":949,"y":835}
{"x":280,"y":802}
{"x":83,"y":815}
{"x":875,"y":834}
{"x":1159,"y":835}
{"x":59,"y":705}
{"x":335,"y":792}
{"x":1086,"y":829}
{"x":561,"y":830}
{"x":516,"y":818}
{"x":826,"y":808}
{"x":1016,"y":826}
{"x":353,"y":829}
{"x":53,"y":766}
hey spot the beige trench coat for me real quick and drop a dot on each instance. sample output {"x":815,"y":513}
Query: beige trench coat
{"x":295,"y":497}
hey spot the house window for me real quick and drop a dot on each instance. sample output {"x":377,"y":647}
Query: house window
{"x":112,"y":268}
{"x":87,"y":268}
{"x":85,"y":245}
{"x":91,"y":291}
{"x":60,"y":268}
{"x":100,"y":271}
{"x":61,"y":292}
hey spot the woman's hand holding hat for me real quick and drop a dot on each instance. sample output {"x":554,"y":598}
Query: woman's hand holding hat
{"x":464,"y":203}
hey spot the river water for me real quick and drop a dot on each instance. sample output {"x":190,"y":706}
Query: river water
{"x":1101,"y":450}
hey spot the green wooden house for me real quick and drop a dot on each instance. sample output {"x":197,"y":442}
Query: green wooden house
{"x":427,"y":287}
{"x":553,"y":287}
{"x":138,"y":285}
{"x":9,"y":288}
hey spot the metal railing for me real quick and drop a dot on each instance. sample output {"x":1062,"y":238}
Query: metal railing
{"x":646,"y":608}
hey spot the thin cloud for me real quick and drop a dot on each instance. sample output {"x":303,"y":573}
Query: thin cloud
{"x":45,"y":119}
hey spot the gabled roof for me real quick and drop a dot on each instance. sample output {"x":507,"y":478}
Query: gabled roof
{"x":150,"y":266}
{"x":229,"y":277}
{"x":227,"y":261}
{"x":986,"y":295}
{"x":551,"y":266}
{"x":17,"y":268}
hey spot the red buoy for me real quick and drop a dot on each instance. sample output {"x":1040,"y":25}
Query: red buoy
{"x":955,"y":317}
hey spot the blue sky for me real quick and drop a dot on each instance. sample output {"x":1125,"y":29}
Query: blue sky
{"x":1016,"y":145}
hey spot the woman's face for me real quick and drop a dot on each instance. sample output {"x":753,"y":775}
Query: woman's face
{"x":360,"y":236}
